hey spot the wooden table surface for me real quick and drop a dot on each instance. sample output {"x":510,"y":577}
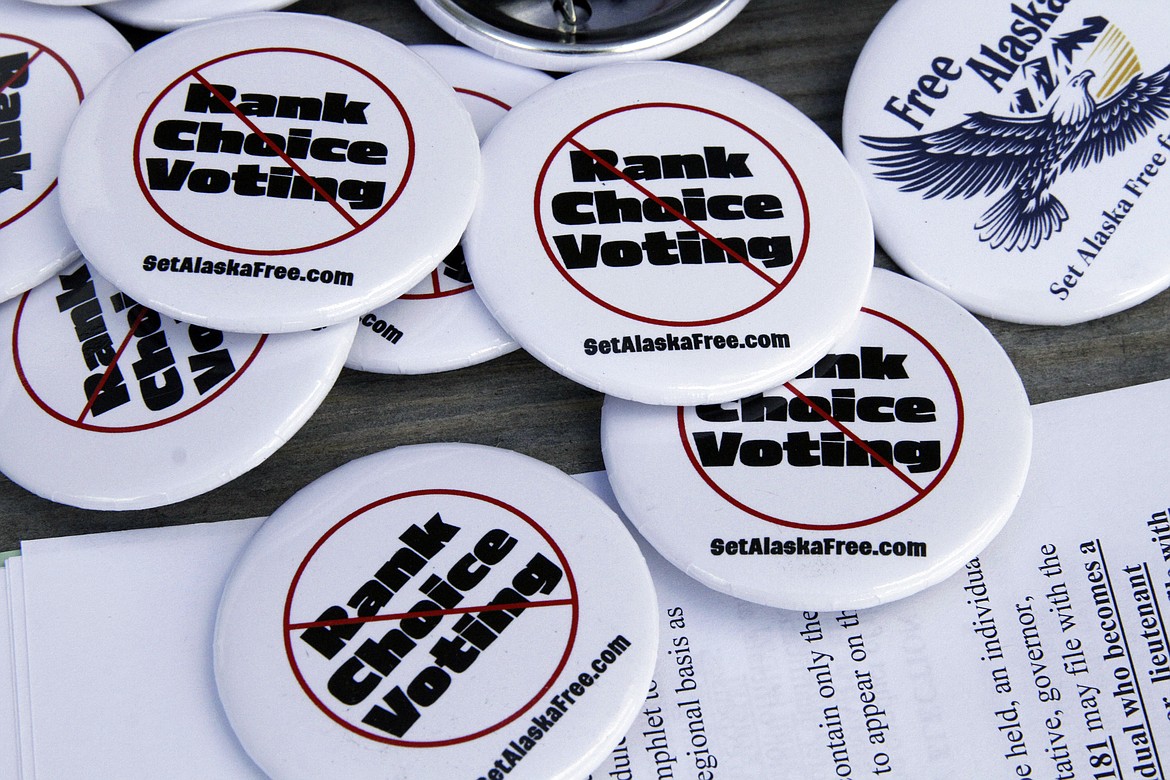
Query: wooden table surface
{"x":803,"y":50}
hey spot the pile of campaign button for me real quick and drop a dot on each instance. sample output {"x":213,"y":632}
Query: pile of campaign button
{"x":878,"y":472}
{"x":115,"y":402}
{"x":668,"y":233}
{"x":50,"y":59}
{"x":437,"y":610}
{"x":678,"y":238}
{"x":1014,"y":157}
{"x":109,"y":405}
{"x":568,"y":35}
{"x":442,"y":324}
{"x":269,"y":172}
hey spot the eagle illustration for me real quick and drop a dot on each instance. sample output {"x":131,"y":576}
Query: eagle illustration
{"x":1024,"y":154}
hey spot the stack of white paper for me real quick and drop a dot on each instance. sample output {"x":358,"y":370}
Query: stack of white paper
{"x":1046,"y":657}
{"x":9,"y":736}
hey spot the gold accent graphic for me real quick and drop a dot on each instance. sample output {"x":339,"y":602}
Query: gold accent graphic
{"x":1120,"y":61}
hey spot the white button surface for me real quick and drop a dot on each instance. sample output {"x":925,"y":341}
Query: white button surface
{"x":668,"y":234}
{"x":270,"y":172}
{"x":881,"y":471}
{"x":1011,"y":153}
{"x":437,"y":611}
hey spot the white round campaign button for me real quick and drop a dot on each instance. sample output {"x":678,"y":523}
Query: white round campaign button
{"x":173,"y":14}
{"x":269,"y":172}
{"x":878,"y":472}
{"x":106,"y":404}
{"x":567,"y":35}
{"x":668,"y":234}
{"x":50,"y":58}
{"x":437,"y":610}
{"x":1012,"y":155}
{"x":442,"y":324}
